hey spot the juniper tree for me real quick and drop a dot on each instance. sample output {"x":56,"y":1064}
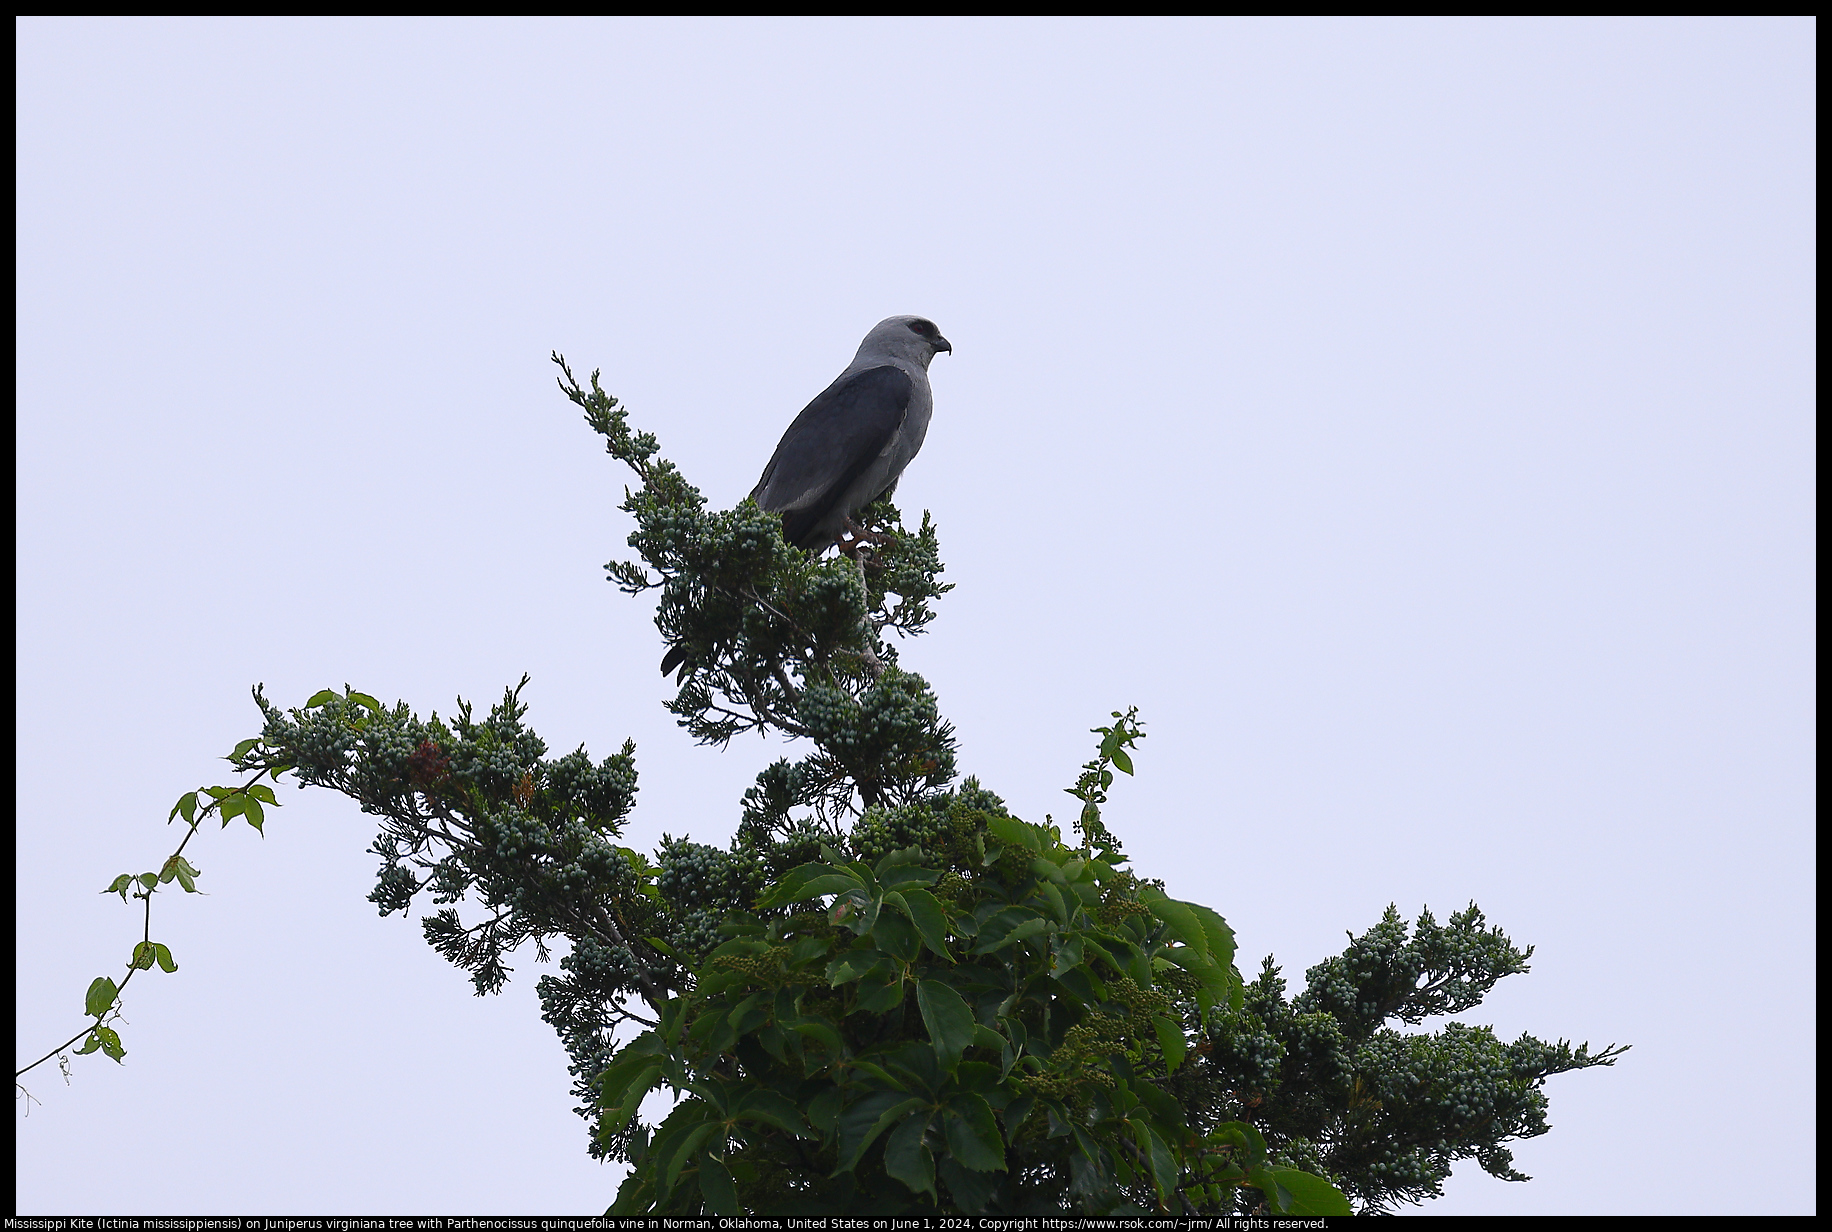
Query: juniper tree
{"x":886,"y":993}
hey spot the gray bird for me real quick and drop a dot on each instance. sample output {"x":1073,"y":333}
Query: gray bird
{"x":849,"y":446}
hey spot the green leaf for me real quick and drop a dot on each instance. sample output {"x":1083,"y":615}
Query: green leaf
{"x":824,"y":1110}
{"x":1184,"y":924}
{"x":980,"y":1078}
{"x":903,"y":877}
{"x":775,"y":1041}
{"x":680,"y":1154}
{"x":164,"y":958}
{"x":1014,"y":1048}
{"x":635,"y":1195}
{"x":713,"y":1033}
{"x":120,"y":885}
{"x":100,"y":996}
{"x":1163,"y":1163}
{"x":627,"y":1079}
{"x":808,"y":948}
{"x":1124,"y":956}
{"x":364,"y":699}
{"x":1248,"y":1143}
{"x":973,"y":1134}
{"x":771,"y":1108}
{"x":930,"y":920}
{"x":1215,"y":930}
{"x":825,"y":1034}
{"x":907,"y":1159}
{"x":322,"y":697}
{"x":750,"y":1013}
{"x":1082,"y":983}
{"x":914,"y":1060}
{"x":810,"y":881}
{"x":142,"y":959}
{"x":857,"y":910}
{"x":1219,"y":983}
{"x":179,"y":869}
{"x":1262,"y":1179}
{"x":1059,"y":908}
{"x":1164,"y":1107}
{"x":625,"y":1096}
{"x":243,"y":746}
{"x":1024,"y":930}
{"x":1172,"y":1041}
{"x":949,"y":1020}
{"x":1198,"y":927}
{"x":1300,"y":1193}
{"x":110,"y":1043}
{"x":895,"y":935}
{"x":1122,"y":761}
{"x":880,"y":994}
{"x":852,"y":965}
{"x":251,"y":809}
{"x":876,"y":1072}
{"x":971,"y":1191}
{"x":263,"y":793}
{"x":186,"y":806}
{"x":717,"y":1188}
{"x":902,"y":856}
{"x":1011,"y":830}
{"x":865,"y":1120}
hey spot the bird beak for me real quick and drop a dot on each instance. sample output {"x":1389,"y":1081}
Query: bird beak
{"x":942,"y":344}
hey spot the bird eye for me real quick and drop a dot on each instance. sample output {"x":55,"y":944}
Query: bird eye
{"x":923,"y":327}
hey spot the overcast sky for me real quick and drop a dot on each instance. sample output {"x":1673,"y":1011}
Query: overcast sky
{"x":1413,"y":418}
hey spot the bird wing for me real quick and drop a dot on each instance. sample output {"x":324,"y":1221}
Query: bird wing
{"x":833,"y":440}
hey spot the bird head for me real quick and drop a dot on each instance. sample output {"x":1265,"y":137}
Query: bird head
{"x":912,"y":338}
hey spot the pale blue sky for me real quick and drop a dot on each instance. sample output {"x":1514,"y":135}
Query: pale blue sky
{"x":1413,"y":418}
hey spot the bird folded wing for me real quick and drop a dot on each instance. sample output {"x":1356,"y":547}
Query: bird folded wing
{"x":833,"y":440}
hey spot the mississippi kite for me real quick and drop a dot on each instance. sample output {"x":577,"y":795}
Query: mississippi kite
{"x":848,"y":446}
